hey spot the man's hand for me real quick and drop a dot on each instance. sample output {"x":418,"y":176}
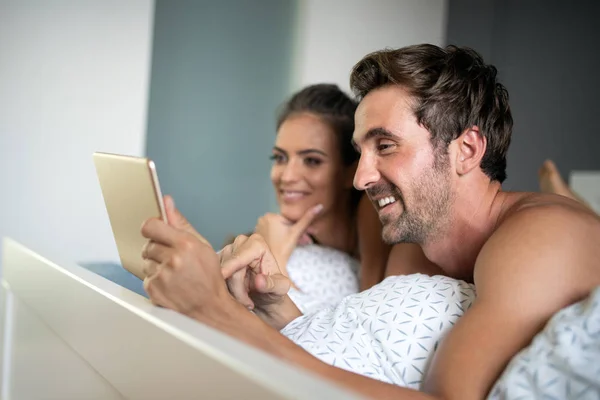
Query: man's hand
{"x":282,"y":235}
{"x":177,"y":220}
{"x":255,"y":280}
{"x":182,"y":270}
{"x":183,"y":273}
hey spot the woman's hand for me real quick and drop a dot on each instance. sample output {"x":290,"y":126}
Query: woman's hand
{"x":282,"y":236}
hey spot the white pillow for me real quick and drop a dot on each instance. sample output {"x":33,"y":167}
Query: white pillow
{"x":388,"y":332}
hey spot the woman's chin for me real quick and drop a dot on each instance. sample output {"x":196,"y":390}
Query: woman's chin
{"x":293,"y":213}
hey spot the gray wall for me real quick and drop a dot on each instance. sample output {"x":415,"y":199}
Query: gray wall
{"x":219,"y":70}
{"x":546,"y":54}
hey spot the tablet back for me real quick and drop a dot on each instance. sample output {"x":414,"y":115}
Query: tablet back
{"x":131,"y":195}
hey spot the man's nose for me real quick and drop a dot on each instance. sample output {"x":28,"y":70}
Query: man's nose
{"x":366,"y":172}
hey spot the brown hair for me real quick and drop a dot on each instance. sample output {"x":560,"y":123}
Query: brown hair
{"x":452,"y":89}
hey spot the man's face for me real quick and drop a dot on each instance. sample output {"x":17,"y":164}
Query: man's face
{"x":406,"y":178}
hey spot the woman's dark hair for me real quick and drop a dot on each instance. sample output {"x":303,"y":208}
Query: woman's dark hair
{"x":333,"y":106}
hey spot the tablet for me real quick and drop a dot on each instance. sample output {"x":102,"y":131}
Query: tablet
{"x":131,"y":195}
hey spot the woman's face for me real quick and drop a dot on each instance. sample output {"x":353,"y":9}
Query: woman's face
{"x":307,"y":166}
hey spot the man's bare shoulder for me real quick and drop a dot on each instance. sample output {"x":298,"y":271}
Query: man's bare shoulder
{"x":548,"y":239}
{"x":548,"y":214}
{"x":518,"y":202}
{"x":543,"y":255}
{"x":552,"y":218}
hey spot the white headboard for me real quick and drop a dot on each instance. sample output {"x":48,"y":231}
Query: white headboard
{"x":71,"y":334}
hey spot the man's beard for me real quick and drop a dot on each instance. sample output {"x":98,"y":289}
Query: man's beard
{"x":427,"y":213}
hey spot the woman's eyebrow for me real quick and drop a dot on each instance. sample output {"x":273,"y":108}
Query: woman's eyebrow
{"x":279,"y":149}
{"x":308,"y":151}
{"x":301,"y":152}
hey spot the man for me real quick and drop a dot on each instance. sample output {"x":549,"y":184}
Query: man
{"x":433,"y":127}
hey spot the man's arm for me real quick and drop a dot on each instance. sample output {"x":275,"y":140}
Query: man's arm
{"x":185,"y":275}
{"x":244,"y":326}
{"x":539,"y":261}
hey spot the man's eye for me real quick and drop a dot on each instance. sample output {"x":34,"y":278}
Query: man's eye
{"x":385,"y":145}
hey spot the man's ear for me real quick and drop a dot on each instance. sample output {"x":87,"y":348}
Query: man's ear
{"x":471,"y":146}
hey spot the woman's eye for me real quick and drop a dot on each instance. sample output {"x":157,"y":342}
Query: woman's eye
{"x":277,"y":158}
{"x":312,"y":161}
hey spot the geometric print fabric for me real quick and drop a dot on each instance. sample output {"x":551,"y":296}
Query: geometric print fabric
{"x":389,"y":332}
{"x":562,"y":361}
{"x":324,"y":276}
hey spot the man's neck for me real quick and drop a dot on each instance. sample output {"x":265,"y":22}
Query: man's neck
{"x":469,"y":227}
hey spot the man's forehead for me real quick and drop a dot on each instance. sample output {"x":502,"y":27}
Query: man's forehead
{"x":386,"y":107}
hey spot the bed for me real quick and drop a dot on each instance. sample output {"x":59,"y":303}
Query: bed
{"x":68,"y":333}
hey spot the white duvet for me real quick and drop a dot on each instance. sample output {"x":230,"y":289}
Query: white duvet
{"x":388,"y":332}
{"x":562,"y":362}
{"x":323,"y":276}
{"x":391,"y":331}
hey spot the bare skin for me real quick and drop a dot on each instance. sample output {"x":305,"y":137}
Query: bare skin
{"x":552,"y":182}
{"x":313,"y":188}
{"x":529,"y":255}
{"x":408,"y":258}
{"x":308,"y":171}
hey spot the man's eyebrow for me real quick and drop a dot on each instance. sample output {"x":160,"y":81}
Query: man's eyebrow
{"x":375,"y":133}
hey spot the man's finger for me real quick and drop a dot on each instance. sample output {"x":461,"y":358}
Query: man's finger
{"x":236,"y":283}
{"x":149,"y":267}
{"x":160,"y":232}
{"x":224,"y":254}
{"x":244,"y":254}
{"x":238,"y":287}
{"x":156,"y":252}
{"x":177,"y":219}
{"x":173,"y":215}
{"x":276,"y":284}
{"x":252,"y":253}
{"x":308,"y":217}
{"x":155,"y":289}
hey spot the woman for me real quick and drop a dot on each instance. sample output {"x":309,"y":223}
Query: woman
{"x":324,"y":226}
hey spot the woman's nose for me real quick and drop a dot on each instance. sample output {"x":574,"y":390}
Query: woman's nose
{"x":291,"y":172}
